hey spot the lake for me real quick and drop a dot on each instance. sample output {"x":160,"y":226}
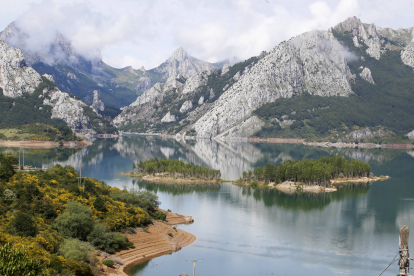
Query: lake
{"x":246,"y":231}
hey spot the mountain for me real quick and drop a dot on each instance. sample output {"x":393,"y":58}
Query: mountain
{"x":27,"y":97}
{"x":80,"y":75}
{"x":317,"y":84}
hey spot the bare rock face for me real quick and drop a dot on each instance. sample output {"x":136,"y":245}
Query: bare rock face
{"x":365,"y":33}
{"x":168,"y":118}
{"x":312,"y":62}
{"x":145,"y":84}
{"x":97,"y":104}
{"x":195,"y":82}
{"x":368,"y":133}
{"x":201,"y":100}
{"x":187,"y":105}
{"x":70,"y":110}
{"x":225,"y":69}
{"x":244,"y":129}
{"x":407,"y":55}
{"x":16,"y":77}
{"x":182,"y":63}
{"x":366,"y":75}
{"x":148,"y":95}
{"x":410,"y":135}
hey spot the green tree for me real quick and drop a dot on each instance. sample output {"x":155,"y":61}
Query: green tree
{"x":16,"y":262}
{"x":6,"y":168}
{"x":76,"y":221}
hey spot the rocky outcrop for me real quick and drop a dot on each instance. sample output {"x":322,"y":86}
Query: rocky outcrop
{"x":182,"y":63}
{"x":407,"y":55}
{"x":368,"y":133}
{"x":364,"y":33}
{"x":366,"y":75}
{"x":410,"y":135}
{"x":225,"y":69}
{"x":144,"y":84}
{"x":312,"y":62}
{"x":195,"y":82}
{"x":70,"y":110}
{"x":97,"y":104}
{"x":187,"y":105}
{"x":201,"y":100}
{"x":148,"y":95}
{"x":16,"y":77}
{"x":168,"y":118}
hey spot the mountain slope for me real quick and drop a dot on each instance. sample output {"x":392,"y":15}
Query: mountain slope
{"x":27,"y":97}
{"x":317,"y":84}
{"x":80,"y":75}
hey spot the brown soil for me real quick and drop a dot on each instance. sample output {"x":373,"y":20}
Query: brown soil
{"x":43,"y":144}
{"x":170,"y":180}
{"x":152,"y":242}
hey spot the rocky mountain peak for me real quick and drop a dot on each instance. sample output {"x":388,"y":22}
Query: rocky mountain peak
{"x":179,"y":55}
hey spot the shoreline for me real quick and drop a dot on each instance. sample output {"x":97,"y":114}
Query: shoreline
{"x":171,"y":180}
{"x":282,"y":141}
{"x":152,"y":242}
{"x":44,"y":144}
{"x":292,"y":187}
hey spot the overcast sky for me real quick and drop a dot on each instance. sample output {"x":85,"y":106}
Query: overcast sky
{"x":146,"y":32}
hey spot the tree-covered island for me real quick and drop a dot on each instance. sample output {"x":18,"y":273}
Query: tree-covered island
{"x":169,"y":170}
{"x":309,"y":174}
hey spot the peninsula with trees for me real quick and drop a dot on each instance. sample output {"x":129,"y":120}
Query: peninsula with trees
{"x":173,"y":171}
{"x":309,"y":175}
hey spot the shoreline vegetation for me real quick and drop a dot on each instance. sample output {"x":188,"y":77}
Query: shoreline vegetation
{"x":51,"y":225}
{"x":173,"y":171}
{"x":323,"y":175}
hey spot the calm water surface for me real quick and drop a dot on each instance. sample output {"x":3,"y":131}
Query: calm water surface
{"x":245,"y":231}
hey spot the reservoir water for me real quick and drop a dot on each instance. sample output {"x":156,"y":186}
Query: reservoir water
{"x":246,"y":231}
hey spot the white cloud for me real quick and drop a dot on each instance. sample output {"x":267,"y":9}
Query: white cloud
{"x":146,"y":32}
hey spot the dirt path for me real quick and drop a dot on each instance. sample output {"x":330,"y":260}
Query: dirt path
{"x":43,"y":144}
{"x":153,"y":242}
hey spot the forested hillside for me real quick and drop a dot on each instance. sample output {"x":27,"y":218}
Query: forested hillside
{"x":49,"y":225}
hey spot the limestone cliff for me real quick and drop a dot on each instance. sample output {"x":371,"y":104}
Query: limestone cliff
{"x":313,"y":62}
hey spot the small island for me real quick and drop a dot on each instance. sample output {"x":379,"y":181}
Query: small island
{"x":312,"y":175}
{"x":173,"y":171}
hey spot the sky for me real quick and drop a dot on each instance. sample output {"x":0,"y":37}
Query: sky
{"x":145,"y":32}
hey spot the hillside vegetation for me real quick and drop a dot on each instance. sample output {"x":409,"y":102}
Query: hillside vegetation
{"x":38,"y":132}
{"x":50,"y":226}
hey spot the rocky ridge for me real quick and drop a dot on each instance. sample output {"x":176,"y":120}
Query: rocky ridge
{"x":312,"y":62}
{"x":16,"y":79}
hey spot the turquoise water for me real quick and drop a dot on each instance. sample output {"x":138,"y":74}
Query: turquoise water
{"x":245,"y":231}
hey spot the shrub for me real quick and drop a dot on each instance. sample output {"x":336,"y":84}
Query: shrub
{"x":108,"y":241}
{"x":76,"y":221}
{"x":76,"y":250}
{"x":23,"y":224}
{"x":254,"y":184}
{"x":99,"y":204}
{"x":159,"y":215}
{"x":170,"y":234}
{"x":8,"y":196}
{"x":108,"y":263}
{"x":341,"y":175}
{"x":48,"y":211}
{"x":371,"y":174}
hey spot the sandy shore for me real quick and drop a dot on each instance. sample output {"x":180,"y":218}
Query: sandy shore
{"x":170,"y":180}
{"x":292,"y":187}
{"x":43,"y":144}
{"x":153,"y":242}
